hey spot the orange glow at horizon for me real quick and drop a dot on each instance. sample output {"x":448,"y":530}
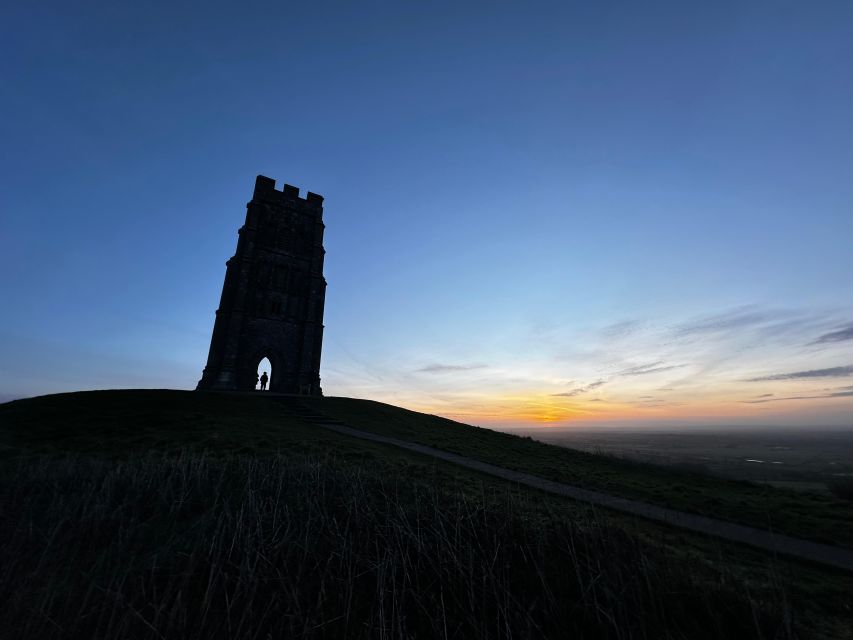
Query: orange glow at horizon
{"x":549,"y":410}
{"x":534,"y":409}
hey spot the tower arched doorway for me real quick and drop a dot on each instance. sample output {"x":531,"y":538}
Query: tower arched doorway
{"x":264,"y":368}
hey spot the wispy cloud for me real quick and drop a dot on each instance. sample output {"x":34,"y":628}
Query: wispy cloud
{"x":637,"y":370}
{"x":832,"y":372}
{"x":834,"y":394}
{"x":632,"y":367}
{"x":580,"y":390}
{"x":840,"y":335}
{"x":620,"y":329}
{"x":449,"y":368}
{"x":781,"y":399}
{"x":647,"y":401}
{"x":654,"y":367}
{"x":757,"y":326}
{"x":734,"y":319}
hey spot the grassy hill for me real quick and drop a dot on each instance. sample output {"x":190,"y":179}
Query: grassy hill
{"x":180,"y":514}
{"x":809,"y":516}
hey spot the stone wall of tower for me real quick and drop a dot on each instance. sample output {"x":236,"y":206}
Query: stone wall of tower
{"x":273,"y":296}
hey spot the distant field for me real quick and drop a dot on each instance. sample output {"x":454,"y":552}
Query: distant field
{"x":808,"y":460}
{"x":151,"y":514}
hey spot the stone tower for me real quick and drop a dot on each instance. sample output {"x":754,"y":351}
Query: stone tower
{"x":272,"y":299}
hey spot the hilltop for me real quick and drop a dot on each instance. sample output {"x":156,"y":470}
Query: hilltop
{"x":168,"y":513}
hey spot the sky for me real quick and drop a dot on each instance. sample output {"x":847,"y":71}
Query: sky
{"x":537,"y":213}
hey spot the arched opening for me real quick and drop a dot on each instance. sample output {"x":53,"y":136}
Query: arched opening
{"x":264,"y":370}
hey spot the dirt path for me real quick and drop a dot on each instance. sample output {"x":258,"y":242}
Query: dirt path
{"x":766,"y":540}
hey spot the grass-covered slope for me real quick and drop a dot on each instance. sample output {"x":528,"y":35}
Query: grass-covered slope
{"x":132,"y":422}
{"x":124,"y":422}
{"x":814,"y":517}
{"x":162,"y":514}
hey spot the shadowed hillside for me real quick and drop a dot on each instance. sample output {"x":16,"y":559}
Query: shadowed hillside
{"x":815,"y":517}
{"x":180,"y":514}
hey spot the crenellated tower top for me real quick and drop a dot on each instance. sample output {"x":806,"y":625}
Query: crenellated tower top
{"x":265,"y":190}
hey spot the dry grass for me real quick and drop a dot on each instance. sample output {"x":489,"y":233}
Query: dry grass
{"x":303,"y":546}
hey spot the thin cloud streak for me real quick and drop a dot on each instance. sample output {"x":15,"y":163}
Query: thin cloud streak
{"x":580,"y":390}
{"x":644,"y":369}
{"x":448,"y":368}
{"x":756,"y":324}
{"x":837,"y":394}
{"x":845,"y":333}
{"x":620,"y":329}
{"x":734,"y":319}
{"x":832,"y":372}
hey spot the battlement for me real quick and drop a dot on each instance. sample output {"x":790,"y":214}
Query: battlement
{"x":265,"y":190}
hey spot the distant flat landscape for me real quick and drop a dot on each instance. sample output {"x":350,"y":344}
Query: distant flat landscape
{"x":814,"y":460}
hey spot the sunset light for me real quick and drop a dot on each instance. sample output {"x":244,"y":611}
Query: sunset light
{"x":446,"y":320}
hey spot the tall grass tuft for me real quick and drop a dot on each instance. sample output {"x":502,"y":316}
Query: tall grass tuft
{"x":842,"y":488}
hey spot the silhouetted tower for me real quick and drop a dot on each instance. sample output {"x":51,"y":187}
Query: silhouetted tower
{"x":272,"y":299}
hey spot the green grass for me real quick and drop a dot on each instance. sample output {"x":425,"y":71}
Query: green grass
{"x":148,"y":514}
{"x":814,"y":517}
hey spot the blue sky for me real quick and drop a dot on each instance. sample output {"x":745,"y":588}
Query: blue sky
{"x":536,"y":212}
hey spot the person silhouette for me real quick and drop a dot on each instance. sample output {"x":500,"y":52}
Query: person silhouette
{"x":264,"y":379}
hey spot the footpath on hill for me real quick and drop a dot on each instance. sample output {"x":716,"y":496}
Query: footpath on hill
{"x":824,"y":554}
